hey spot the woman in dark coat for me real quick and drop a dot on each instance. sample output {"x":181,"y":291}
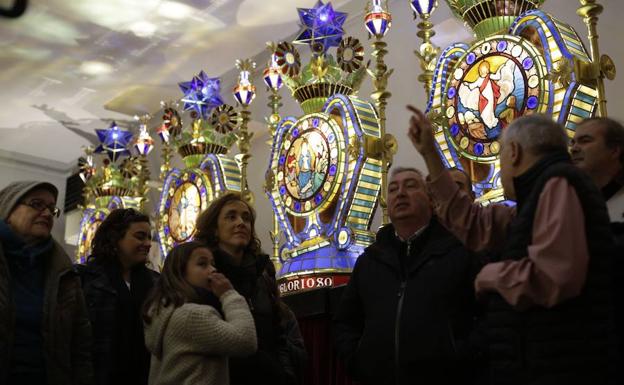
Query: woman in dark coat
{"x":45,"y":336}
{"x":227,"y":226}
{"x":116,"y":282}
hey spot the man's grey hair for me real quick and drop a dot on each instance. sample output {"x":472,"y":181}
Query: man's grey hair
{"x":537,"y":134}
{"x":399,"y":169}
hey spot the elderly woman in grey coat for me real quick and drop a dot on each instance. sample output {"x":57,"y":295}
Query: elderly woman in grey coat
{"x":44,"y":329}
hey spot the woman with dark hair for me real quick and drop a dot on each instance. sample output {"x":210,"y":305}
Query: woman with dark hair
{"x":195,"y":320}
{"x":228,"y":228}
{"x":116,"y":282}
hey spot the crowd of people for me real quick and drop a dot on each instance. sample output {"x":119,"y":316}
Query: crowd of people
{"x":450,"y":292}
{"x":212,"y":315}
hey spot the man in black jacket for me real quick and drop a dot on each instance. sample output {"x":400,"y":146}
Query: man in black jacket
{"x":598,"y":149}
{"x":408,"y":310}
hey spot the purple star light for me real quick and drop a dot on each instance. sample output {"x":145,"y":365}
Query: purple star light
{"x":321,"y":27}
{"x":201,"y":94}
{"x":113,"y":141}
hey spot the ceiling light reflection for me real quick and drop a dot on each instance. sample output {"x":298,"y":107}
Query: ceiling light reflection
{"x":143,"y":28}
{"x":94,"y":67}
{"x":174,"y":10}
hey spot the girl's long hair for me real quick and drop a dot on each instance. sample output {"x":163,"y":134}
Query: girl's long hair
{"x":104,"y":249}
{"x":208,"y":223}
{"x":172,"y":287}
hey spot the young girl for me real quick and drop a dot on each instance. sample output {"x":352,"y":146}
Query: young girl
{"x":194,"y":320}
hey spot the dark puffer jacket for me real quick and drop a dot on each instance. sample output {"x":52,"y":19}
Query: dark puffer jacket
{"x":410,"y":322}
{"x":573,"y":342}
{"x":65,"y":329}
{"x":281,"y":353}
{"x":618,"y":284}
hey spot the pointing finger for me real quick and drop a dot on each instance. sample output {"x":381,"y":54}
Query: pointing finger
{"x":412,"y":108}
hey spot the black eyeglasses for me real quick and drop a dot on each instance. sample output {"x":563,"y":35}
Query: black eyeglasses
{"x":40,"y":205}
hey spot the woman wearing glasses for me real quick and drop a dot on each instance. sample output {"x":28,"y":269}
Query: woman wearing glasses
{"x":116,"y":282}
{"x":44,"y":328}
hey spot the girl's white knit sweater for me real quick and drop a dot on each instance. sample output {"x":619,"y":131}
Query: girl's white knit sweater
{"x":191,"y":344}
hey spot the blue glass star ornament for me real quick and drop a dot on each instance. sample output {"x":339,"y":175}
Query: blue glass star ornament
{"x":201,"y":94}
{"x":114,"y":141}
{"x":321,"y":27}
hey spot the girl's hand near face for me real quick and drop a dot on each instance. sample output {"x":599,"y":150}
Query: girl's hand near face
{"x":219,"y":284}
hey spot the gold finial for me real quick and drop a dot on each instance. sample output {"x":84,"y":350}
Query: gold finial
{"x":245,"y":65}
{"x":561,"y":73}
{"x":244,"y":92}
{"x":601,"y":66}
{"x":273,"y":79}
{"x":380,"y":95}
{"x":319,"y":67}
{"x":271,"y":46}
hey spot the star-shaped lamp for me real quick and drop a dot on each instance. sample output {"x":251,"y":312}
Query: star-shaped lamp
{"x":321,"y":27}
{"x":201,"y":94}
{"x":114,"y":141}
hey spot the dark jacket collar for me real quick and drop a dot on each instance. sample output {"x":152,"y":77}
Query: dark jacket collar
{"x":436,"y":235}
{"x":14,"y":245}
{"x":254,"y":264}
{"x":101,"y":276}
{"x":57,"y":263}
{"x":245,"y":276}
{"x":432,"y":242}
{"x":523,"y":184}
{"x":95,"y":275}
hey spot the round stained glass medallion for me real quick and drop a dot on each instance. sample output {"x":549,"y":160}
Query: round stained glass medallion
{"x":496,"y":81}
{"x":311,"y":163}
{"x":90,"y":233}
{"x":183,"y":211}
{"x":185,"y":194}
{"x":90,"y":223}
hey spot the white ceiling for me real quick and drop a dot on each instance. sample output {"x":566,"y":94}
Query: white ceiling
{"x":70,"y":66}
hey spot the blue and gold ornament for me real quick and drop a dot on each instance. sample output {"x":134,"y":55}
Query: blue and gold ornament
{"x":201,"y":95}
{"x":321,"y":27}
{"x":114,"y":141}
